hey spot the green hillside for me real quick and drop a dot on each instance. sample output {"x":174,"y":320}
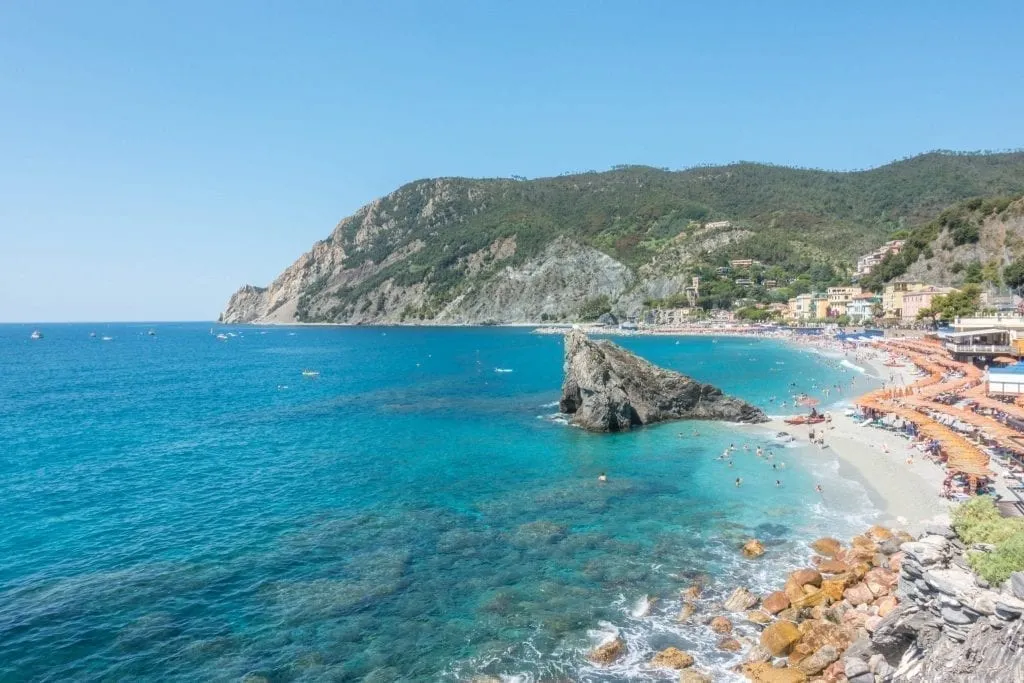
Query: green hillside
{"x":792,"y":219}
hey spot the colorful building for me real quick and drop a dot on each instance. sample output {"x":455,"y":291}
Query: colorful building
{"x":915,"y":302}
{"x":892,"y":297}
{"x":839,"y":298}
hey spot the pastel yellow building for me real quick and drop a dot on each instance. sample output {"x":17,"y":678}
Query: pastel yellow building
{"x":892,"y":297}
{"x":840,"y":297}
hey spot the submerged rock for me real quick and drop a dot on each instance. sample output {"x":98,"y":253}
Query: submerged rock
{"x":753,"y":548}
{"x":608,"y":653}
{"x":672,"y":658}
{"x":609,"y":389}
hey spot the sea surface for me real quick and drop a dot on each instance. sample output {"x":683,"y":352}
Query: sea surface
{"x":183,"y":507}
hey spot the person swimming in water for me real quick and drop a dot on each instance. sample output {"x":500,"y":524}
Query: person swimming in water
{"x":739,"y":482}
{"x":602,"y":477}
{"x":778,"y":483}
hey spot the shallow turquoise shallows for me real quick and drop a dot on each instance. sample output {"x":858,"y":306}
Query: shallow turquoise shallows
{"x":179,"y":507}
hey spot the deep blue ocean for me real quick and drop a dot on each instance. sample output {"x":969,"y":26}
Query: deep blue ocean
{"x":178,"y":507}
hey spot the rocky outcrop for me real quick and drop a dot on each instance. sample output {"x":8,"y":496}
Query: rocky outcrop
{"x":949,"y":626}
{"x":609,"y":389}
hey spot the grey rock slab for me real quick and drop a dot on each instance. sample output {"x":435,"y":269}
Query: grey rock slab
{"x":1017,"y":585}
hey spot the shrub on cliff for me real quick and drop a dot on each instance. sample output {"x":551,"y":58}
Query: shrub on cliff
{"x":978,"y":521}
{"x":996,"y":566}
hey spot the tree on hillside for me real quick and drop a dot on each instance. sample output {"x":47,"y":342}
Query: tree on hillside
{"x":1013,"y":274}
{"x":955,"y":304}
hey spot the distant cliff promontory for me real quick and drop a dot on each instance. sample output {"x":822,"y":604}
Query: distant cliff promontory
{"x":456,"y":250}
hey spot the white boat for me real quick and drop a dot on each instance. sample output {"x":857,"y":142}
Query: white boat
{"x":36,"y":334}
{"x":310,"y":373}
{"x":107,"y":338}
{"x":222,"y":337}
{"x":151,"y":333}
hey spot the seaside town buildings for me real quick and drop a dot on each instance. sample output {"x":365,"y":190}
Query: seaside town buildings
{"x":839,"y":298}
{"x":861,"y":307}
{"x":867,"y":262}
{"x":892,"y":297}
{"x":916,"y":301}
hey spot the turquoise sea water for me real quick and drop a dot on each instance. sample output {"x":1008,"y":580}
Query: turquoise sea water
{"x":178,"y":507}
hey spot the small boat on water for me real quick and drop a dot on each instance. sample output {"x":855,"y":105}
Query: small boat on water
{"x":222,"y":337}
{"x":92,"y":335}
{"x":107,"y":338}
{"x":36,"y":334}
{"x":310,"y":373}
{"x":804,"y":420}
{"x":152,"y":332}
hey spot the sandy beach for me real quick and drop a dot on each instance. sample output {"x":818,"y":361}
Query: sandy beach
{"x":906,"y":493}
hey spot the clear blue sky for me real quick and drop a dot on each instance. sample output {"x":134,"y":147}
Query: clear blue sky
{"x":154,"y":156}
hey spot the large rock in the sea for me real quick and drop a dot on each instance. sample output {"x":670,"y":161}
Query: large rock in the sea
{"x":609,"y":389}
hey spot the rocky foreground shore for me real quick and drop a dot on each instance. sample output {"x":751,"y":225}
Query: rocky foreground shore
{"x":884,"y":608}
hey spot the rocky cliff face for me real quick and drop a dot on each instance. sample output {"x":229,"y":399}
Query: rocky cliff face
{"x":950,"y":625}
{"x":458,"y":250}
{"x":609,"y":389}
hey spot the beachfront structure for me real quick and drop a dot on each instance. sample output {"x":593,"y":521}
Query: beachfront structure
{"x":839,"y":298}
{"x":861,"y":307}
{"x":915,"y":302}
{"x":1008,"y":381}
{"x":892,"y":297}
{"x":979,"y":344}
{"x":867,"y":262}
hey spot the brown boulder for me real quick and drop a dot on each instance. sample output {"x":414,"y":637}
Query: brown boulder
{"x":833,"y":567}
{"x":833,"y":588}
{"x":896,"y":562}
{"x":773,"y":603}
{"x":886,"y":577}
{"x":872,"y":623}
{"x":858,"y":594}
{"x":789,"y":614}
{"x":879,"y":533}
{"x":793,"y":590}
{"x":780,"y":637}
{"x":817,"y":634}
{"x":764,"y":672}
{"x":672,"y":658}
{"x":819,"y":660}
{"x":803,"y":577}
{"x":799,"y":653}
{"x":826,"y":546}
{"x":607,"y":653}
{"x":721,"y":625}
{"x":860,"y":570}
{"x":686,"y":611}
{"x":753,"y":548}
{"x":812,"y":597}
{"x":729,"y":645}
{"x":886,"y":605}
{"x":693,"y":592}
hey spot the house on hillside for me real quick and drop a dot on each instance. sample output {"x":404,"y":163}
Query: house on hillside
{"x":718,"y":225}
{"x":867,"y":262}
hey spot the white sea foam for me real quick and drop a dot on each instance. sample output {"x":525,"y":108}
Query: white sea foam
{"x":853,"y":366}
{"x":500,"y":370}
{"x":553,"y":404}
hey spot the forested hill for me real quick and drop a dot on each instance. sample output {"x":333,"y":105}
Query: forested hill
{"x":462,"y":250}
